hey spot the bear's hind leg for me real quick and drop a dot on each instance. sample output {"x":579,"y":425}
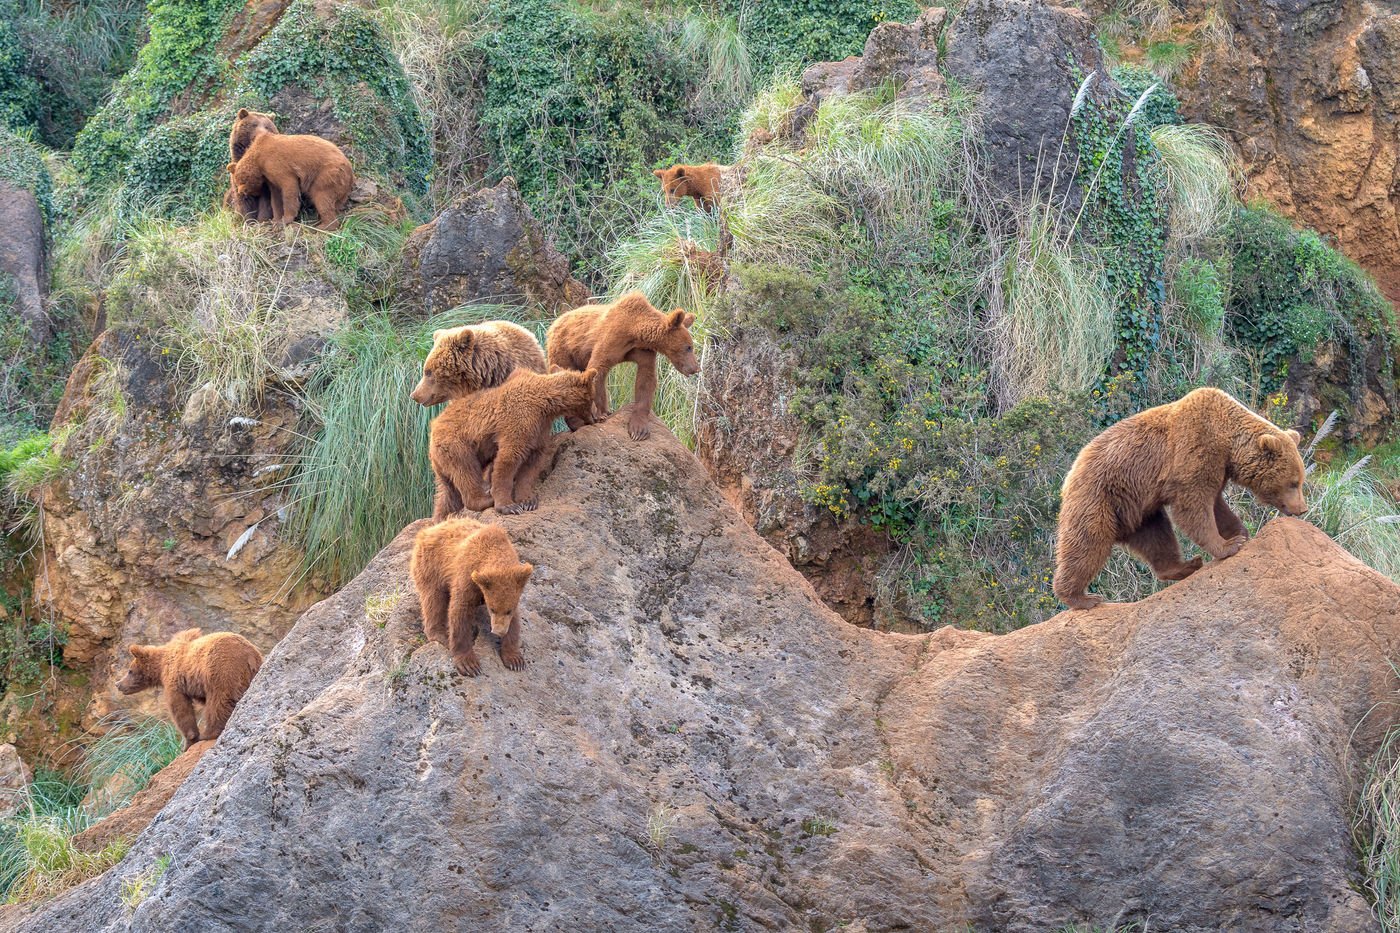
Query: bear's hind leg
{"x":1156,"y":545}
{"x":325,"y":204}
{"x":1080,"y":554}
{"x":216,"y":713}
{"x":182,"y":711}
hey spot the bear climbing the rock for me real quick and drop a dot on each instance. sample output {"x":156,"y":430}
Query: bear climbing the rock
{"x":628,"y":331}
{"x":247,"y":126}
{"x":458,"y":566}
{"x":214,"y":669}
{"x":1177,"y":456}
{"x":468,"y":359}
{"x":291,"y":166}
{"x":508,"y":429}
{"x":703,"y":183}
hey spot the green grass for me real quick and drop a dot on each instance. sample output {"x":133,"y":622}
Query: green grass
{"x":363,"y":472}
{"x":1352,"y":504}
{"x":1199,"y":168}
{"x":1376,"y":830}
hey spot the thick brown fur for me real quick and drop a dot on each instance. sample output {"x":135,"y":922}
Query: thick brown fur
{"x":247,"y":126}
{"x":458,"y":566}
{"x":629,"y":330}
{"x":291,"y":166}
{"x":508,"y":429}
{"x":214,"y":669}
{"x":468,"y":359}
{"x":1178,"y":456}
{"x":703,"y":183}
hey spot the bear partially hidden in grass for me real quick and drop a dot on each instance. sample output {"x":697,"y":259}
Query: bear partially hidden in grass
{"x":290,"y":166}
{"x":508,"y":429}
{"x":703,"y":183}
{"x":1178,"y":456}
{"x":628,"y":331}
{"x":458,"y":566}
{"x":213,"y":669}
{"x":468,"y":359}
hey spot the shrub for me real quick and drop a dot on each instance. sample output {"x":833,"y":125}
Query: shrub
{"x":19,"y":92}
{"x":795,"y":33}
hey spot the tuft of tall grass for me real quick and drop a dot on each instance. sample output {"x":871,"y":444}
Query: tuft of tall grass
{"x":1376,"y":829}
{"x":1355,"y":508}
{"x":779,"y":216}
{"x":659,"y":259}
{"x":771,"y":109}
{"x":1198,"y":170}
{"x":364,"y":474}
{"x":125,"y":758}
{"x":719,"y":40}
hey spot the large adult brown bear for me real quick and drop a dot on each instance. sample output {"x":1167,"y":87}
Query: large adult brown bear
{"x":291,"y":166}
{"x":1178,"y":456}
{"x":247,"y":126}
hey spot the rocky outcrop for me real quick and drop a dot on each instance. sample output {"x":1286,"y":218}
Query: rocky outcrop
{"x":14,"y":779}
{"x":1309,"y":91}
{"x":22,"y":261}
{"x":698,"y":743}
{"x":487,"y":247}
{"x":129,"y":821}
{"x":167,"y":518}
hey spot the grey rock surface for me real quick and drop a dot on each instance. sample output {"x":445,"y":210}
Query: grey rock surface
{"x":22,"y":259}
{"x":699,"y":744}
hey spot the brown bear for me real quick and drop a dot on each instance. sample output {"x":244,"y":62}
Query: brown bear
{"x":458,"y":566}
{"x":259,"y":208}
{"x":629,"y":330}
{"x":1177,"y":456}
{"x":702,"y":183}
{"x":291,"y":166}
{"x":247,"y":126}
{"x":467,"y":359}
{"x":508,"y":429}
{"x":215,"y":669}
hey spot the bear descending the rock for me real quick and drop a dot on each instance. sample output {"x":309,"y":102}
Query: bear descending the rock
{"x":248,"y":125}
{"x":468,"y":359}
{"x":702,"y":183}
{"x":214,"y":669}
{"x":458,"y":566}
{"x":508,"y":429}
{"x":291,"y":166}
{"x":629,"y":330}
{"x":1178,"y":456}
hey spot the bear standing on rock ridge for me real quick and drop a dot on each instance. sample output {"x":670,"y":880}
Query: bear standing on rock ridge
{"x":507,"y":428}
{"x":628,"y":331}
{"x":458,"y":566}
{"x":1179,"y":455}
{"x":468,"y":359}
{"x":215,"y":669}
{"x":291,"y":166}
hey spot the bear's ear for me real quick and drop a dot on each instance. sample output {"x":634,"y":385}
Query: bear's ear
{"x":231,"y":167}
{"x":1270,"y":443}
{"x":680,"y":171}
{"x":1294,"y":436}
{"x":675,"y":319}
{"x":688,"y":320}
{"x":479,"y":579}
{"x":522,"y":574}
{"x":138,"y":651}
{"x":242,"y":112}
{"x":659,"y":172}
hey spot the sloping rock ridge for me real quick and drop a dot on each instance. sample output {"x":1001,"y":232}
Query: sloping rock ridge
{"x":698,"y":743}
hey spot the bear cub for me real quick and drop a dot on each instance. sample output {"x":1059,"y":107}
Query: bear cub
{"x":701,"y":183}
{"x":213,"y":669}
{"x":468,"y":359}
{"x":1177,"y":456}
{"x":458,"y":566}
{"x":629,"y":330}
{"x":507,"y":428}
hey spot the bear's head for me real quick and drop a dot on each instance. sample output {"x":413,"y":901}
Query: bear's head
{"x":450,"y":370}
{"x":1271,"y":467}
{"x":242,"y":199}
{"x":248,"y":126}
{"x":501,"y":589}
{"x":677,"y":343}
{"x":144,"y":672}
{"x":677,"y":184}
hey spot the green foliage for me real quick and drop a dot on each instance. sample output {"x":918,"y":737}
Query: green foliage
{"x":1290,"y":291}
{"x":364,"y":473}
{"x":182,"y":161}
{"x":346,"y":58}
{"x":22,"y":165}
{"x":19,"y":92}
{"x":1199,"y":289}
{"x":795,"y":33}
{"x":1161,"y":106}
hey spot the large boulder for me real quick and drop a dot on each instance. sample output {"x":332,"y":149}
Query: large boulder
{"x":22,"y":261}
{"x":1310,"y":92}
{"x":128,"y":821}
{"x":487,"y":247}
{"x":699,"y":743}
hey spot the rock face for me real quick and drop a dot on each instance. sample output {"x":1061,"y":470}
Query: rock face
{"x":699,"y":743}
{"x":1310,"y":91}
{"x":137,"y":536}
{"x":488,"y":247}
{"x":14,"y":779}
{"x":22,"y":259}
{"x":130,"y":820}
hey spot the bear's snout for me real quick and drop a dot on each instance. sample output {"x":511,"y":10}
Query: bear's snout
{"x":424,"y":396}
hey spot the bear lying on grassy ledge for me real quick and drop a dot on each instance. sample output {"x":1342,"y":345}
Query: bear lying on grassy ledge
{"x":1097,"y":766}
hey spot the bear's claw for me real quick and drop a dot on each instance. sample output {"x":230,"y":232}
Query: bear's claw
{"x":513,"y":660}
{"x":467,"y":665}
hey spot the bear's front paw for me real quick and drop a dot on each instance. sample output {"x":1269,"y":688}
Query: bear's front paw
{"x":638,"y":426}
{"x":512,"y":659}
{"x":479,"y":505}
{"x":467,"y":665}
{"x":515,"y":508}
{"x":1231,"y":548}
{"x":1083,"y":601}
